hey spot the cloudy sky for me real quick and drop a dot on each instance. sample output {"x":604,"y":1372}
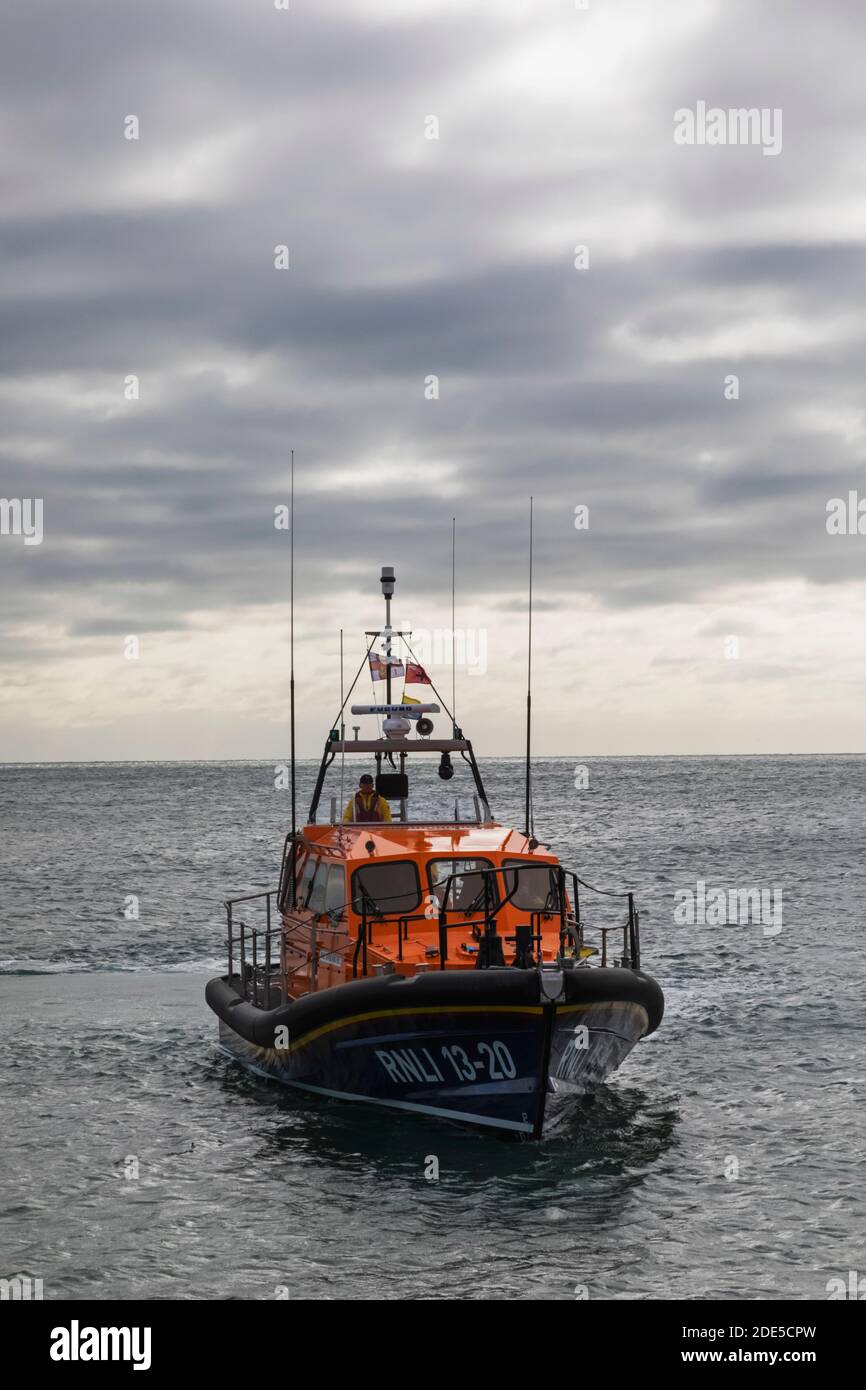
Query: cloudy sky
{"x":705,"y":608}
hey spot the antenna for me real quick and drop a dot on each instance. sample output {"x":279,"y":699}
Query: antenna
{"x":453,"y":666}
{"x":342,"y":731}
{"x":388,"y":581}
{"x":292,"y":673}
{"x":529,"y":692}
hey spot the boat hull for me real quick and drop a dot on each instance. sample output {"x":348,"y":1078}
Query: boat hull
{"x":483,"y":1048}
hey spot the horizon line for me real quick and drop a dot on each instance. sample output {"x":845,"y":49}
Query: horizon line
{"x":316,"y":758}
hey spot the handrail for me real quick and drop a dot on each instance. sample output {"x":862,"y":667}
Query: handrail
{"x":605,"y":892}
{"x":490,"y":952}
{"x":251,"y":897}
{"x":568,"y":922}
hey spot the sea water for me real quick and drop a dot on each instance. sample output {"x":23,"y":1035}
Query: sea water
{"x":724,"y":1160}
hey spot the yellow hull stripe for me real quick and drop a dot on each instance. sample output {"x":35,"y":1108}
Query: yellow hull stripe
{"x":533,"y":1009}
{"x":600,"y":1004}
{"x":406,"y":1013}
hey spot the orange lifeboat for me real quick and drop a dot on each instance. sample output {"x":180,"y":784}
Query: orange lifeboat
{"x":436,"y":961}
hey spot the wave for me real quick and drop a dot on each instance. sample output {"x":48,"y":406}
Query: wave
{"x":211,"y":965}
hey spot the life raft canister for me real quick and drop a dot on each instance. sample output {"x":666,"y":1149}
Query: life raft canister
{"x":373,"y":812}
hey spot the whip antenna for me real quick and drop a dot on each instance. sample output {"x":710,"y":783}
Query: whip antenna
{"x":529,"y":691}
{"x":292,"y":673}
{"x":453,"y":665}
{"x":342,"y":731}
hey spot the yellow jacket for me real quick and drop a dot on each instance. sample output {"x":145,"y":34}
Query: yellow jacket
{"x":367,"y":802}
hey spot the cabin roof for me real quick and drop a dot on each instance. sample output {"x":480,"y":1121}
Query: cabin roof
{"x":347,"y":841}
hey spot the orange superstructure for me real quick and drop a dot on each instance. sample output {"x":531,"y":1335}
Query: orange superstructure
{"x":436,"y":870}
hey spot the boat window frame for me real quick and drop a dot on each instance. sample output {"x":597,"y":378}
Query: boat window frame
{"x":452,"y":858}
{"x":320,"y":878}
{"x":335,"y":866}
{"x":527,"y":864}
{"x":355,"y":900}
{"x":314,"y":859}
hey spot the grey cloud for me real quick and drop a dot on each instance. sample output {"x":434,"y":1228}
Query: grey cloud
{"x":398,"y":271}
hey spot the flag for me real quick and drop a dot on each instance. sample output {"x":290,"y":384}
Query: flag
{"x":408,"y":700}
{"x":416,"y":675}
{"x":379,"y":666}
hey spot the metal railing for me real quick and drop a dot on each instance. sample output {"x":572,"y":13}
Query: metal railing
{"x":260,"y":968}
{"x":558,"y":902}
{"x":255,"y":976}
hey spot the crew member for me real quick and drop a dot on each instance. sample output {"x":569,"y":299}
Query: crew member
{"x":367,"y":804}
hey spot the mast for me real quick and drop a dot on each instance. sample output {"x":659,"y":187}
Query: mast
{"x":528,"y":817}
{"x":388,"y":581}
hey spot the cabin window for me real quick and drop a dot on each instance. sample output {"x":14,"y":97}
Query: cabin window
{"x":466,"y":893}
{"x":334,"y":891}
{"x":329,"y":888}
{"x":389,"y":887}
{"x":536,"y":886}
{"x":304,"y":882}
